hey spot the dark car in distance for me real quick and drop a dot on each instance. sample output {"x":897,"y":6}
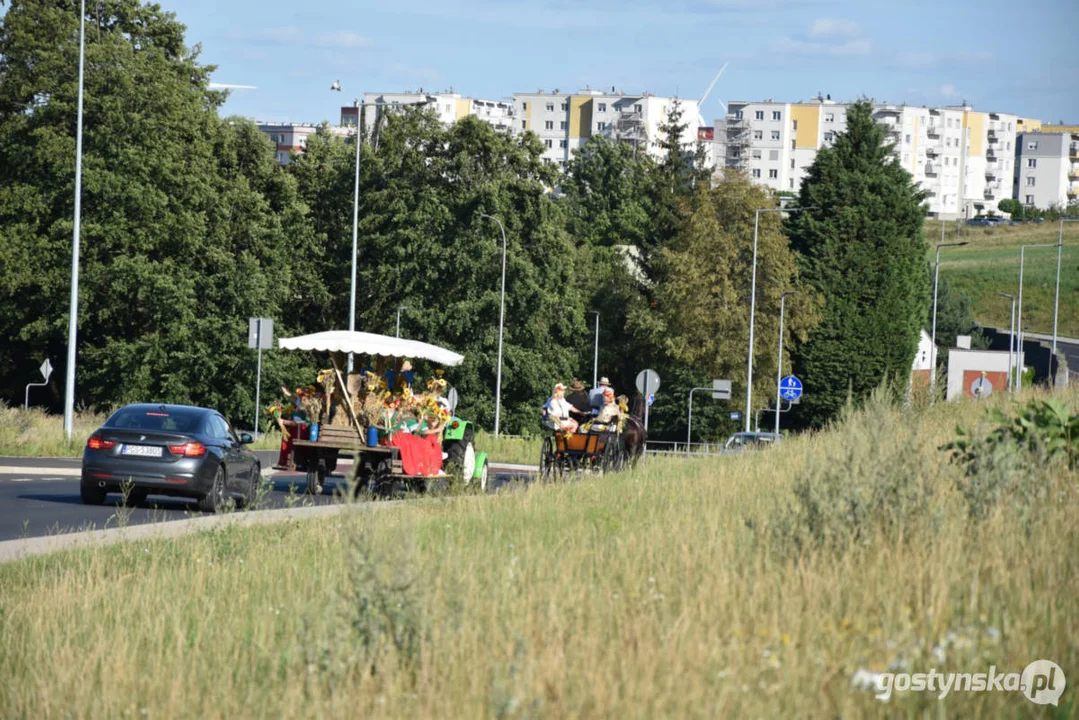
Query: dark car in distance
{"x":175,"y":450}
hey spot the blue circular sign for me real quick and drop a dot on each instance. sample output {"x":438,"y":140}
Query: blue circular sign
{"x":790,"y":388}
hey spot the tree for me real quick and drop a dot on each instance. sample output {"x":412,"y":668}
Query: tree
{"x":862,"y":247}
{"x":188,"y":226}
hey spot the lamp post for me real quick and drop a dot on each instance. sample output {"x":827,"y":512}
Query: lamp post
{"x":595,"y":359}
{"x":399,"y":309}
{"x":73,"y":310}
{"x":501,"y":320}
{"x":779,"y":368}
{"x":753,"y":306}
{"x":936,"y":278}
{"x":1011,"y":338}
{"x":1056,"y":296}
{"x":1019,"y":314}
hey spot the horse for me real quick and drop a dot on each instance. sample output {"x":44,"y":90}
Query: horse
{"x":634,"y":435}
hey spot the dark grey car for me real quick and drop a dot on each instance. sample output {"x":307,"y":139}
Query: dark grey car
{"x":174,"y":450}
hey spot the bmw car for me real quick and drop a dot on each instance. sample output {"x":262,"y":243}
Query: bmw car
{"x":175,"y":450}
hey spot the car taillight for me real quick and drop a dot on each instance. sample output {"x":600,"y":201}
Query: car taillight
{"x":96,"y":442}
{"x":190,"y":449}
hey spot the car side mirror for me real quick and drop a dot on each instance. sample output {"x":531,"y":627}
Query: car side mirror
{"x":246,"y":439}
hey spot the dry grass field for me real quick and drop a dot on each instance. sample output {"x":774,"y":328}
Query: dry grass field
{"x":757,"y":585}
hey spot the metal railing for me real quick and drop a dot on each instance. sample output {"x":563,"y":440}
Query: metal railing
{"x":684,"y":449}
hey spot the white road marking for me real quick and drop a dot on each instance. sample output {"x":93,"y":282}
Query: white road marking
{"x":50,"y":471}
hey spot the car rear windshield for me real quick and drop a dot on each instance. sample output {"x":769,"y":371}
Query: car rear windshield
{"x":168,"y":420}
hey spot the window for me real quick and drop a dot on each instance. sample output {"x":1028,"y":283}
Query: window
{"x":547,"y":125}
{"x":524,"y":124}
{"x":1032,"y":145}
{"x":550,"y":107}
{"x":790,"y":183}
{"x":603,"y":107}
{"x":776,"y":115}
{"x":792,"y":163}
{"x":756,"y":172}
{"x":759,"y":115}
{"x":562,"y":125}
{"x":908,"y":138}
{"x":758,"y":134}
{"x":1030,"y":181}
{"x":792,"y":145}
{"x":637,"y":108}
{"x":756,"y":154}
{"x":1030,"y":199}
{"x":561,"y":143}
{"x":794,"y":124}
{"x":524,"y":106}
{"x":775,"y":134}
{"x":829,"y":117}
{"x":601,"y":126}
{"x":773,"y":154}
{"x":565,"y":107}
{"x":1032,"y":162}
{"x":773,"y":174}
{"x":547,"y":143}
{"x":828,"y":136}
{"x":738,"y":115}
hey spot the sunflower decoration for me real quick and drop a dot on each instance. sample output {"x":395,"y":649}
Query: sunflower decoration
{"x":439,"y":372}
{"x":325,"y":376}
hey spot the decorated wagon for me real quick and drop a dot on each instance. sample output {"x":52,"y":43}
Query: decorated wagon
{"x":596,"y":447}
{"x":401,"y":434}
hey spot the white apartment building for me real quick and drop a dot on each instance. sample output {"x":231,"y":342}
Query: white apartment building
{"x":287,"y":137}
{"x":1046,"y":169}
{"x":449,"y":107}
{"x":565,"y":121}
{"x":958,"y":156}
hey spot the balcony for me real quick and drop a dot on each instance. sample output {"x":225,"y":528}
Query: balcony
{"x":990,"y":173}
{"x":1073,"y":152}
{"x":992,"y":137}
{"x":990,"y":154}
{"x":932,"y":151}
{"x":933,"y":131}
{"x":1073,"y":174}
{"x":932,"y":170}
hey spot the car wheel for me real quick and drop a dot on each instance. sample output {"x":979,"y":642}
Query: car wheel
{"x":252,"y":495}
{"x":215,"y":499}
{"x":91,"y":494}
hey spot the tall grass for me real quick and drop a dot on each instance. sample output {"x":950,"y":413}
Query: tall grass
{"x":685,"y":588}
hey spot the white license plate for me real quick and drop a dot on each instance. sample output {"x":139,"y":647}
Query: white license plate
{"x":141,"y":450}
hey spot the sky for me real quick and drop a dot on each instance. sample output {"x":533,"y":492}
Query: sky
{"x":995,"y":55}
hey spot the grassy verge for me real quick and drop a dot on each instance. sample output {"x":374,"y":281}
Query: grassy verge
{"x":520,"y":450}
{"x":990,"y":264}
{"x":757,"y":585}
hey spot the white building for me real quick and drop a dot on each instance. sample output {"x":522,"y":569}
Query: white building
{"x":288,"y":138}
{"x":1046,"y":169}
{"x":449,"y":107}
{"x":958,"y":156}
{"x":565,"y":121}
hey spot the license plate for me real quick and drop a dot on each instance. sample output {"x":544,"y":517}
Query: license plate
{"x":141,"y":450}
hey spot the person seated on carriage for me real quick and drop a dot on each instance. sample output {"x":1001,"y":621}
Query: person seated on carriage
{"x":578,"y":400}
{"x":557,"y":411}
{"x":610,"y":412}
{"x":595,"y":396}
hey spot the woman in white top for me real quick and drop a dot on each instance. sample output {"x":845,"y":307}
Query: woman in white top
{"x":558,"y":411}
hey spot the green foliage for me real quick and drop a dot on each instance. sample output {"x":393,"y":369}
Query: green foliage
{"x":955,"y":316}
{"x":862,"y":248}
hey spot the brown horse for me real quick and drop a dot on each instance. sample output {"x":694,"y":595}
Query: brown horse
{"x":634,"y":435}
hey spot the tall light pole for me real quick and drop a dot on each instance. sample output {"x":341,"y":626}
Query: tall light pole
{"x":1011,"y":339}
{"x":355,"y":229}
{"x":779,"y":368}
{"x":1019,"y":315}
{"x":73,"y":309}
{"x":1056,"y":297}
{"x":753,"y":306}
{"x":501,"y":321}
{"x":399,"y":309}
{"x":595,"y":359}
{"x":936,"y":278}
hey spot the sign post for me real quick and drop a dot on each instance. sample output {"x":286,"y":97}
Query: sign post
{"x":647,"y":385}
{"x":721,"y":390}
{"x":790,"y":389}
{"x":46,"y":371}
{"x":259,"y":335}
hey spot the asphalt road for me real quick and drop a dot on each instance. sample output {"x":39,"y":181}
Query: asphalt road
{"x":40,"y":496}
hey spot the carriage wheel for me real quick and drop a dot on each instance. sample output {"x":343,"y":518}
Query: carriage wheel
{"x":547,"y":459}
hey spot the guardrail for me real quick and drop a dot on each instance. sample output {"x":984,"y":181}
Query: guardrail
{"x":683,"y":449}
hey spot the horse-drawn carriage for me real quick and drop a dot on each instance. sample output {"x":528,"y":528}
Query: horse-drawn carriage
{"x":600,"y":448}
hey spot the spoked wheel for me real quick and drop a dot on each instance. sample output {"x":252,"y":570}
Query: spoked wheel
{"x":316,"y":478}
{"x":547,"y":459}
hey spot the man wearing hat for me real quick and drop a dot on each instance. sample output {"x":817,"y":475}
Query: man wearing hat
{"x":578,"y":399}
{"x":595,"y":398}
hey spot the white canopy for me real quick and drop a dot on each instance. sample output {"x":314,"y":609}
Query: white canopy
{"x":363,"y":343}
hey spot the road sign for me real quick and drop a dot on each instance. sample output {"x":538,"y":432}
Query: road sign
{"x":736,"y":416}
{"x":46,"y":369}
{"x":790,"y":388}
{"x":260,"y":337}
{"x":721,"y":389}
{"x":651,"y":399}
{"x":981,"y":388}
{"x":647,"y":382}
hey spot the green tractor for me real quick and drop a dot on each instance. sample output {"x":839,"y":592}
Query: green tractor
{"x":459,"y":446}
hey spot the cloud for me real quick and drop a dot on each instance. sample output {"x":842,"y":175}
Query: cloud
{"x":829,"y":28}
{"x":850,"y":48}
{"x":343,"y":39}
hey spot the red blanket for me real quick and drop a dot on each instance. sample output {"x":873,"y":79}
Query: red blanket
{"x":419,"y":455}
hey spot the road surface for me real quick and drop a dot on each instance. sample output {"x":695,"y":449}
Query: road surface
{"x":40,"y":496}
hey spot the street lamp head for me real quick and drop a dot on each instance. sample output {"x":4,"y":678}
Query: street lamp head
{"x":1004,"y":294}
{"x":789,"y":293}
{"x":954,"y":244}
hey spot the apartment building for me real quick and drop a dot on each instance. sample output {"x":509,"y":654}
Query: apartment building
{"x":565,"y":121}
{"x":449,"y":107}
{"x":287,"y":137}
{"x":958,"y":156}
{"x":1046,"y":169}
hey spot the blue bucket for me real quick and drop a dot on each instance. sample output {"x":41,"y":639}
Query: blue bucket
{"x":313,"y":433}
{"x":372,"y":436}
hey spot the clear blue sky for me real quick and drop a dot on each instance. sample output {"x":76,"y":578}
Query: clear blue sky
{"x":997,"y":55}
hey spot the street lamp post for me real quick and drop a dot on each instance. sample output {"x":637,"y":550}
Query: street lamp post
{"x":1019,"y":314}
{"x":501,"y":320}
{"x":779,"y":369}
{"x":1056,"y":297}
{"x":399,"y":309}
{"x":595,"y":359}
{"x":73,"y":310}
{"x":936,"y":278}
{"x":1011,"y":338}
{"x":753,"y":306}
{"x":355,"y":229}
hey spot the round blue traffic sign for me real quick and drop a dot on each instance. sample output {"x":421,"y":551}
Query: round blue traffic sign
{"x":790,"y":388}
